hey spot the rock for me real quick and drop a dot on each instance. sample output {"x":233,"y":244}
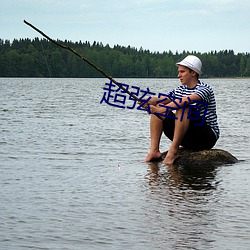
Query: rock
{"x":213,"y":157}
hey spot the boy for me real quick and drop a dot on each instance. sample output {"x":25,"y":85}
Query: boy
{"x":185,"y":127}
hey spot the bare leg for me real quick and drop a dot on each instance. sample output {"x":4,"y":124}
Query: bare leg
{"x":181,"y":128}
{"x":155,"y":136}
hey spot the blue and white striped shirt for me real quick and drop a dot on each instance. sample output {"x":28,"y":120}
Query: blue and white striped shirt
{"x":207,"y":96}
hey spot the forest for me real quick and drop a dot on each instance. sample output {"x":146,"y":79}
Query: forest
{"x":41,"y":58}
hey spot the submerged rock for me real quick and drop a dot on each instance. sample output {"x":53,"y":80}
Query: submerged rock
{"x":204,"y":157}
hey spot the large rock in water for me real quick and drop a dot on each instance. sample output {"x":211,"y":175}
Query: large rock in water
{"x":213,"y":157}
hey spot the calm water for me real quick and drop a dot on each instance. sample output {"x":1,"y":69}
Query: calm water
{"x":72,"y":175}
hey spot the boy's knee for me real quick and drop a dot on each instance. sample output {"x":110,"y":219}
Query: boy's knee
{"x":182,"y":111}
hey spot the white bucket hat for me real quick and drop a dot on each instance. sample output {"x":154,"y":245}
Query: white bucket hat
{"x":191,"y":62}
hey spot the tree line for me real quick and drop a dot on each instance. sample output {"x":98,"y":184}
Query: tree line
{"x":40,"y":58}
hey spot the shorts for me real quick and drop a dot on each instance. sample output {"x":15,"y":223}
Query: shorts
{"x":196,"y":138}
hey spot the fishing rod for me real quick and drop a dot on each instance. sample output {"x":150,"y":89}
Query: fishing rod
{"x":83,"y":58}
{"x":87,"y":61}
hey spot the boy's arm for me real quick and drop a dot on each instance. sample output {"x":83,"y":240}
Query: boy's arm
{"x":178,"y":103}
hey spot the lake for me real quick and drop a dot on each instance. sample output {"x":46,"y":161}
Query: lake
{"x":72,"y":173}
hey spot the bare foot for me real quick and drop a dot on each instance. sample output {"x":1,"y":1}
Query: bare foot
{"x":170,"y":157}
{"x":153,"y":156}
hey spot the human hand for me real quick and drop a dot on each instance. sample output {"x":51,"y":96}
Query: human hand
{"x":148,"y":101}
{"x":152,"y":109}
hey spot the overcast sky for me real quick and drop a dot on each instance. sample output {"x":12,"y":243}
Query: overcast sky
{"x":157,"y":25}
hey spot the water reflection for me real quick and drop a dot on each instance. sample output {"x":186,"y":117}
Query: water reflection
{"x":183,"y":177}
{"x":183,"y":197}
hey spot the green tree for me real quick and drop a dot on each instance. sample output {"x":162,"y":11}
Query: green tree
{"x":247,"y":69}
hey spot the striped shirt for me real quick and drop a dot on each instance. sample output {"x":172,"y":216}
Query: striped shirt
{"x":205,"y":92}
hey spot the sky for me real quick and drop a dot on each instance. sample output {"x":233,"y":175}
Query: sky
{"x":155,"y":25}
